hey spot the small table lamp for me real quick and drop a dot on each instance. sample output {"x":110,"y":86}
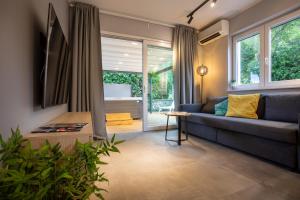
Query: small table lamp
{"x":202,"y":71}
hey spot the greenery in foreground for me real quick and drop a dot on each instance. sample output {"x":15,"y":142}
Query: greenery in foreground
{"x":161,"y":90}
{"x":136,"y":81}
{"x":285,"y":48}
{"x":48,"y":172}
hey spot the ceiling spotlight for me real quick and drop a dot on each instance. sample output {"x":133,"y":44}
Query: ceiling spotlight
{"x":126,"y":54}
{"x":213,"y":3}
{"x":134,"y":43}
{"x":162,"y":43}
{"x":120,"y":63}
{"x":191,"y":19}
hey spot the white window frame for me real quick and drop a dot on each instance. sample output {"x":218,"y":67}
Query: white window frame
{"x":277,"y":22}
{"x":265,"y":57}
{"x":236,"y":68}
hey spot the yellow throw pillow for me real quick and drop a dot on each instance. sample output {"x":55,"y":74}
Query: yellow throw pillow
{"x":244,"y":106}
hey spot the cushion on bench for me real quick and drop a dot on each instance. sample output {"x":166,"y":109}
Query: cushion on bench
{"x":115,"y":119}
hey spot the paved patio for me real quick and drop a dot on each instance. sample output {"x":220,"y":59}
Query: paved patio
{"x":154,"y":119}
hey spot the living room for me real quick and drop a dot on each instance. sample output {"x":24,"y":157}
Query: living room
{"x":145,"y":99}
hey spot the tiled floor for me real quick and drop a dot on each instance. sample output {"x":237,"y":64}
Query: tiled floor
{"x":150,"y":168}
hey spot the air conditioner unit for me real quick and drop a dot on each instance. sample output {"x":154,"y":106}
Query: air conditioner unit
{"x":214,"y":32}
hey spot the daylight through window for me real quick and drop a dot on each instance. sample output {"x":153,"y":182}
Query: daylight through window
{"x":268,"y":56}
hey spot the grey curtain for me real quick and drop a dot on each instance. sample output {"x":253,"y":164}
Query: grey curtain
{"x":185,"y":54}
{"x":87,"y":85}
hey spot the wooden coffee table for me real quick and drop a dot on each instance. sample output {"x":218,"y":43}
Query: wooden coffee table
{"x":179,"y":115}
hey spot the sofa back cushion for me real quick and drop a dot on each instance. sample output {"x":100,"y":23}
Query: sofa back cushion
{"x":209,"y":107}
{"x":261,"y":106}
{"x":282,"y":107}
{"x":221,"y":108}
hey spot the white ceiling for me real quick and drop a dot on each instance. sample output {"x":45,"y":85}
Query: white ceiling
{"x":127,"y":56}
{"x":175,"y":11}
{"x":121,"y":55}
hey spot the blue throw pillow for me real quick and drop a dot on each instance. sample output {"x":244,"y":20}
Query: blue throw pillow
{"x":221,"y":108}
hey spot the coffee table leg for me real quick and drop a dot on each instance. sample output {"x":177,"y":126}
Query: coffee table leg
{"x":186,"y":129}
{"x":167,"y":127}
{"x":179,"y":131}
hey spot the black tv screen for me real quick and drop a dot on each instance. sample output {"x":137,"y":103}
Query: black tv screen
{"x":56,"y":73}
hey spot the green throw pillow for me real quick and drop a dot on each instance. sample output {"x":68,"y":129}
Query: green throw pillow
{"x":221,"y":108}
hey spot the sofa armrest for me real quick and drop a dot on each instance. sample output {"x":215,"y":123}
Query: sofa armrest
{"x":193,"y":108}
{"x":298,"y":143}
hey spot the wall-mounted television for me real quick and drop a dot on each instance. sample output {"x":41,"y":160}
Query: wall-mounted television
{"x":56,"y":70}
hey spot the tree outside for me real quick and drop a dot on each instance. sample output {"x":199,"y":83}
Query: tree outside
{"x":249,"y":59}
{"x":286,"y":51}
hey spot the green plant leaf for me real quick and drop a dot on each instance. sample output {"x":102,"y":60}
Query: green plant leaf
{"x":119,"y":142}
{"x":113,"y":138}
{"x":115,"y":149}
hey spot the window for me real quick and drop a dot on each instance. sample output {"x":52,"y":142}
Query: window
{"x":268,"y":56}
{"x":248,"y":53}
{"x":285,"y":48}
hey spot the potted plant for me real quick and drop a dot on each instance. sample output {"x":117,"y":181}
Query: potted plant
{"x":48,"y":172}
{"x":232,"y":84}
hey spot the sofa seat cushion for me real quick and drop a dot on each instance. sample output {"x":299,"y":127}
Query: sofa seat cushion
{"x":278,"y":131}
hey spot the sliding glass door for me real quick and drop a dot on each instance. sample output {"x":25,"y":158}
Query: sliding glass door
{"x":158,"y":85}
{"x":122,"y":61}
{"x":138,"y":84}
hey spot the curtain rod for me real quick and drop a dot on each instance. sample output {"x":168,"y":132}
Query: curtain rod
{"x":131,"y":17}
{"x":136,"y":18}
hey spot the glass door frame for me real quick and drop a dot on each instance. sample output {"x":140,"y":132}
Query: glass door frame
{"x":147,"y":43}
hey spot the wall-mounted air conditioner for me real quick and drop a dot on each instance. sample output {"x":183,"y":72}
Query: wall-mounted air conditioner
{"x":214,"y":32}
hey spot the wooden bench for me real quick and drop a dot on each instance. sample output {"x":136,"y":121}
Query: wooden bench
{"x":66,"y":139}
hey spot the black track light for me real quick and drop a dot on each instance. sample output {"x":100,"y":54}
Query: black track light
{"x":190,"y":19}
{"x":190,"y":16}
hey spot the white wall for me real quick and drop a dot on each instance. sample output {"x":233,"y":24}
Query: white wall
{"x":264,"y":11}
{"x":214,"y":56}
{"x":21,"y":23}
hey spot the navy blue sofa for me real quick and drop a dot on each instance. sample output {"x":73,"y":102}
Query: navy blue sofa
{"x":274,"y":136}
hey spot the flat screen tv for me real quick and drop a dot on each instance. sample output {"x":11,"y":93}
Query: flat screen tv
{"x":56,"y":69}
